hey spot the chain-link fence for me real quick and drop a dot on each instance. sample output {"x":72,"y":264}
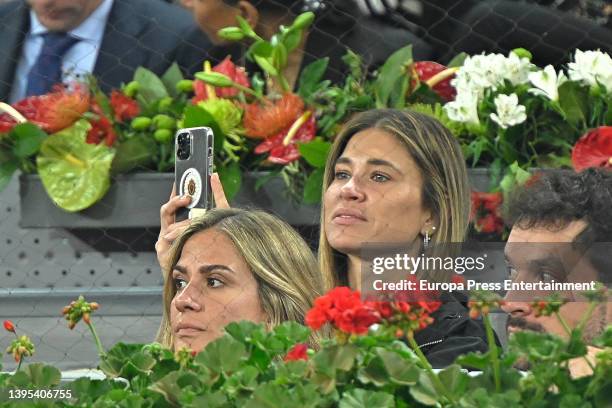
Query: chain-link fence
{"x":43,"y":267}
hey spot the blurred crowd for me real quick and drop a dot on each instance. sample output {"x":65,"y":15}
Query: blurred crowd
{"x":43,"y":42}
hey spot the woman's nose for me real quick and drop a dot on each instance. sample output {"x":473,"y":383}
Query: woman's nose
{"x":188,"y":299}
{"x":352,"y":190}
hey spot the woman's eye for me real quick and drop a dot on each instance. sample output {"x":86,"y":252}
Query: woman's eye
{"x":341,"y":175}
{"x":380,"y":178}
{"x":214,"y":283}
{"x":180,"y":284}
{"x":512,"y":273}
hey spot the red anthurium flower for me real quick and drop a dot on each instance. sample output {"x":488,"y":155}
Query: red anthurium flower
{"x":229,"y":69}
{"x":101,"y":129}
{"x":125,"y":108}
{"x":593,"y":149}
{"x":283,"y":146}
{"x":436,"y":76}
{"x":9,"y":326}
{"x":270,"y":118}
{"x":486,"y":212}
{"x":297,"y":352}
{"x":52,"y":112}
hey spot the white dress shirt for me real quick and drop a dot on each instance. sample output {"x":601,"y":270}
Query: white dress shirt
{"x":78,"y":61}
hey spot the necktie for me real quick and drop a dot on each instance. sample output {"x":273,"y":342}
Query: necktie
{"x":47,"y":70}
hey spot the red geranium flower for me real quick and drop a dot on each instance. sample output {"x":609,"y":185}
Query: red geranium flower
{"x":283,"y":146}
{"x":9,"y":326}
{"x":125,"y":108}
{"x":52,"y":112}
{"x":229,"y":69}
{"x":593,"y":149}
{"x":297,"y":352}
{"x":486,"y":212}
{"x":101,"y":129}
{"x":270,"y":118}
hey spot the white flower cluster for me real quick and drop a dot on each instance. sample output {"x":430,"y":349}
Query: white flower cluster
{"x":547,"y":82}
{"x":592,"y":67}
{"x":482,"y":72}
{"x":509,"y":112}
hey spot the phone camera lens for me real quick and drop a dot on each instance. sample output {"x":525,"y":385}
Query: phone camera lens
{"x":183,"y":147}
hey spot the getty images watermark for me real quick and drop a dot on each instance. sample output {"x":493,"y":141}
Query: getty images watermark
{"x":527,"y":270}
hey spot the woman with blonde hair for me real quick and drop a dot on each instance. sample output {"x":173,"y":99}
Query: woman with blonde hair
{"x":231,"y":265}
{"x":398,"y":178}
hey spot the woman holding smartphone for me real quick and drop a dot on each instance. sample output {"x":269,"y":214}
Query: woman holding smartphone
{"x":231,"y":265}
{"x":392,"y":177}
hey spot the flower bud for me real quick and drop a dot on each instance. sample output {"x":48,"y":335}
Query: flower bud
{"x":164,"y":104}
{"x":94,"y":305}
{"x":303,"y":21}
{"x":163,"y":135}
{"x":231,"y":33}
{"x":474,"y":313}
{"x":71,"y":324}
{"x":162,"y":121}
{"x":215,"y":79}
{"x":184,"y":85}
{"x":86,"y":318}
{"x":523,"y":53}
{"x":141,"y":123}
{"x":9,"y":326}
{"x":131,"y":89}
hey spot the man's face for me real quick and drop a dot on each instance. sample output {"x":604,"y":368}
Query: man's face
{"x":63,"y":15}
{"x":544,"y":255}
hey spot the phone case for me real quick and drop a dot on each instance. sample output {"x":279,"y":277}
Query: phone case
{"x":192,"y":173}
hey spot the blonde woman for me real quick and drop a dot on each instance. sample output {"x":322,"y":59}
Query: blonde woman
{"x":231,"y":265}
{"x":398,"y":177}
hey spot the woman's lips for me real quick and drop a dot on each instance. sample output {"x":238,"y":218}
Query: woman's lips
{"x":347,"y":220}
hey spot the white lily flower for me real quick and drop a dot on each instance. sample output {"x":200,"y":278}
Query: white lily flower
{"x":509,"y":112}
{"x":547,"y":82}
{"x":464,"y":108}
{"x":592,"y":67}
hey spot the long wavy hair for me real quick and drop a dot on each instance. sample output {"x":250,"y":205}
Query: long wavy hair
{"x":283,"y":265}
{"x":437,"y":153}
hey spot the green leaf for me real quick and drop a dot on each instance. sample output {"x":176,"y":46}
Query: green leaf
{"x":477,"y":361}
{"x":311,"y":76}
{"x":195,"y":116}
{"x":75,"y":174}
{"x":360,"y":398}
{"x":43,"y":376}
{"x":270,"y":395}
{"x":457,"y":60}
{"x":6,"y":173}
{"x":454,"y":380}
{"x":231,"y":179}
{"x":134,"y":153}
{"x":400,"y":370}
{"x":152,"y":88}
{"x":27,"y":139}
{"x":573,"y":99}
{"x":261,"y":48}
{"x":279,"y":57}
{"x":313,"y":188}
{"x":224,"y":354}
{"x":373,"y":373}
{"x":171,"y":77}
{"x":605,"y":339}
{"x":292,"y":39}
{"x":391,"y":71}
{"x":315,"y":152}
{"x":263,"y":180}
{"x":397,"y":99}
{"x":336,"y":357}
{"x":424,"y":391}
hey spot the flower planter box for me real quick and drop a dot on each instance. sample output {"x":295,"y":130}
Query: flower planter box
{"x":133,"y":201}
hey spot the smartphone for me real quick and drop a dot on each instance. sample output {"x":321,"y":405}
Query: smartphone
{"x":193,"y":167}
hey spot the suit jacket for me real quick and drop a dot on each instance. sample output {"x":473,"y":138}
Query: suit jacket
{"x":147,"y":33}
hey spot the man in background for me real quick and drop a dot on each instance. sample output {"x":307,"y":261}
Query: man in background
{"x":43,"y":42}
{"x":562,"y":232}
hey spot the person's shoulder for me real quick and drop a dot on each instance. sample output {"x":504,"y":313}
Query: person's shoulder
{"x":12,"y":9}
{"x":160,"y":12}
{"x":378,"y":40}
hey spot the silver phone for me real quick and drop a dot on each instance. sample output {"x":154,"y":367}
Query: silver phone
{"x":193,"y":167}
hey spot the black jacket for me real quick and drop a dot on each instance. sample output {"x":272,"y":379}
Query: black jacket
{"x":452,"y":334}
{"x":146,"y":33}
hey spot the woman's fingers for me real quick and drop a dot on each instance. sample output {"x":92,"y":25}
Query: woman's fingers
{"x":174,"y":230}
{"x":168,"y":210}
{"x":218,"y":193}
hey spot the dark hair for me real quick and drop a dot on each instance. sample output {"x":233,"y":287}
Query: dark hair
{"x":554,"y":198}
